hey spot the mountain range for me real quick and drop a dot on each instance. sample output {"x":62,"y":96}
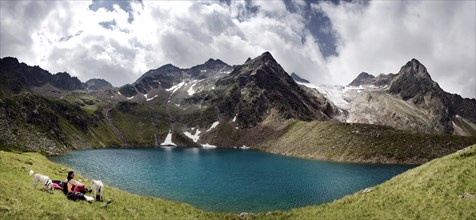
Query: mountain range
{"x":409,"y":100}
{"x":215,"y":104}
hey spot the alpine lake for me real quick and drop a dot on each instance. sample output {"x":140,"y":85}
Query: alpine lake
{"x":226,"y":180}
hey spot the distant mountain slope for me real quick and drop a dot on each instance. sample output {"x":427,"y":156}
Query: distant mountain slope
{"x":414,"y":84}
{"x":17,"y":77}
{"x":443,"y":188}
{"x":409,"y":100}
{"x":252,"y":90}
{"x":35,"y":123}
{"x":367,"y":79}
{"x":168,"y":76}
{"x":361,"y":143}
{"x":298,"y":78}
{"x":96,"y":84}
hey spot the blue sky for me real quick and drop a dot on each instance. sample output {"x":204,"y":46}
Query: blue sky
{"x":326,"y":42}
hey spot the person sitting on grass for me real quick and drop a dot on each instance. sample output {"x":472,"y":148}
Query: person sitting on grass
{"x":72,"y":185}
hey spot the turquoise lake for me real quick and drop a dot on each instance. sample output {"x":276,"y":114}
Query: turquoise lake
{"x":230,"y":180}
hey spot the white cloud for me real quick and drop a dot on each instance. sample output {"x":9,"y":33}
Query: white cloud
{"x":382,"y":36}
{"x":15,"y":38}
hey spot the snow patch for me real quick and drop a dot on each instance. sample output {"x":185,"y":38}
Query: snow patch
{"x":334,"y":94}
{"x":351,"y":88}
{"x":150,"y":99}
{"x":195,"y":137}
{"x":168,"y":140}
{"x":214,"y":125}
{"x":234,"y":118}
{"x":119,"y":93}
{"x":209,"y":146}
{"x":244,"y":147}
{"x":175,"y":88}
{"x":191,"y":91}
{"x":130,"y":97}
{"x":309,"y":85}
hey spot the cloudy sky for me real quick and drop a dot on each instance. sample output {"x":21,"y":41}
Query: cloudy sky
{"x":325,"y":42}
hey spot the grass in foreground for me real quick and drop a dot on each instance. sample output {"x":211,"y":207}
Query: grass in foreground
{"x":18,"y":199}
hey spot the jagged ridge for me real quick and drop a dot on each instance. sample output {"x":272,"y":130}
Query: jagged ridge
{"x":259,"y":86}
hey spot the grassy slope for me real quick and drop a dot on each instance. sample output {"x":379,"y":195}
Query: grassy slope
{"x":18,"y":200}
{"x":361,"y":143}
{"x":136,"y":124}
{"x":51,"y":126}
{"x":430,"y":191}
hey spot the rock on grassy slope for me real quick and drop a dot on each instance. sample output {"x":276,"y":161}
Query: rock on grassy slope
{"x":18,"y":200}
{"x":444,"y":188}
{"x":361,"y":143}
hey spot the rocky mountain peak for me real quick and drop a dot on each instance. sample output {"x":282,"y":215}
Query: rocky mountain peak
{"x":362,"y":79}
{"x":8,"y":60}
{"x":96,"y":84}
{"x":262,"y":69}
{"x":62,"y":75}
{"x":260,"y":85}
{"x":65,"y":81}
{"x":415,"y":68}
{"x":18,"y":77}
{"x":168,"y":68}
{"x":381,"y":80}
{"x":165,"y":69}
{"x":213,"y":63}
{"x":413,"y":81}
{"x":265,"y":58}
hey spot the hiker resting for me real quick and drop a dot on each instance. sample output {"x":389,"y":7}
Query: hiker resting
{"x":76,"y":185}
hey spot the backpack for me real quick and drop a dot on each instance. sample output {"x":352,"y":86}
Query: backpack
{"x":71,"y":196}
{"x":75,"y":196}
